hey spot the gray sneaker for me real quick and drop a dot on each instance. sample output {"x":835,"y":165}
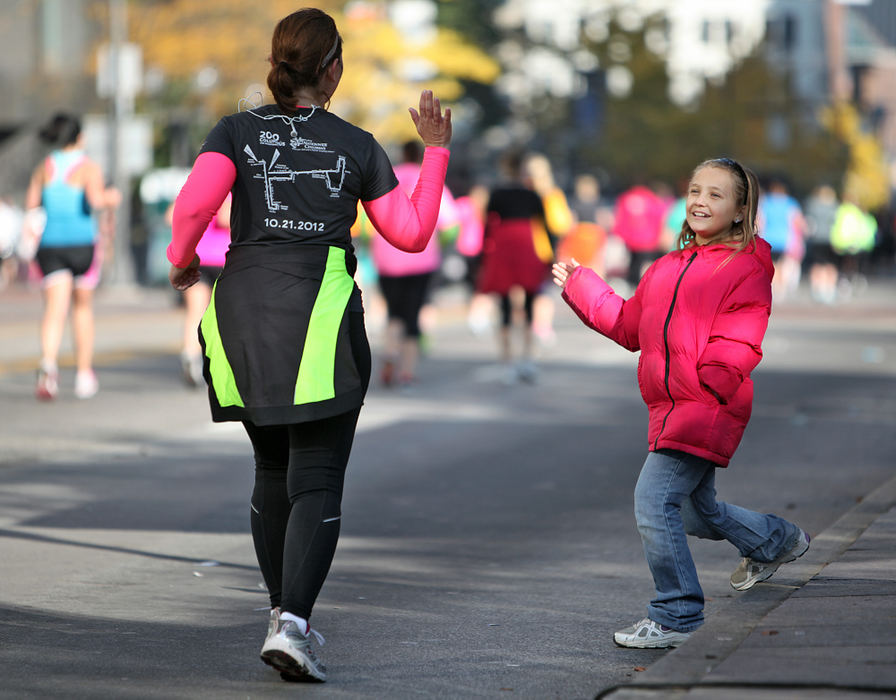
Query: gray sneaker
{"x":273,"y":624}
{"x":648,"y":634}
{"x":750,"y":572}
{"x":289,"y":651}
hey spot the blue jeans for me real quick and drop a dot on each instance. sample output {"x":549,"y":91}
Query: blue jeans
{"x":675,"y":497}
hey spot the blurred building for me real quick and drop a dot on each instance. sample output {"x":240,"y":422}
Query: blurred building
{"x":868,"y":64}
{"x":706,"y":39}
{"x":46,"y":64}
{"x":829,"y":49}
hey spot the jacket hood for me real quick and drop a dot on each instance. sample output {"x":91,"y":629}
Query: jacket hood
{"x":763,"y":253}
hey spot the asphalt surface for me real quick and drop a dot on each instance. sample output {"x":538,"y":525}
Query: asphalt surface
{"x":154,"y":567}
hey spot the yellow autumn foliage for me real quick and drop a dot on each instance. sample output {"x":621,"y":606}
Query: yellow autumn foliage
{"x":384,"y":72}
{"x":866,"y":179}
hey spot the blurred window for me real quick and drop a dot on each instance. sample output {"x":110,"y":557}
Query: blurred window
{"x":63,"y":37}
{"x":52,"y":36}
{"x":782,"y":32}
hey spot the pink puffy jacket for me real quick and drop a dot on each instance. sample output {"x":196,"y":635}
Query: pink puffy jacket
{"x":698,"y":322}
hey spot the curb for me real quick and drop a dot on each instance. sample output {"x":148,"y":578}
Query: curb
{"x":688,"y":666}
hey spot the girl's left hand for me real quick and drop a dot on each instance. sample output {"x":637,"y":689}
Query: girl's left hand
{"x":562,"y":271}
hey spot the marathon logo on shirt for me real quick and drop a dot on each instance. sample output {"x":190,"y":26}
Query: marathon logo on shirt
{"x":270,"y":138}
{"x":297,"y":143}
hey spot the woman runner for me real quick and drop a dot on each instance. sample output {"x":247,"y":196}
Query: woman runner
{"x":284,"y":345}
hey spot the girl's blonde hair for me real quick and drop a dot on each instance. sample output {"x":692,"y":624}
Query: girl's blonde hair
{"x":746,"y":191}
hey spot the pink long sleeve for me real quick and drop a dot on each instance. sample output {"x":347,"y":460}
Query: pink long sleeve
{"x":206,"y":188}
{"x":406,"y":223}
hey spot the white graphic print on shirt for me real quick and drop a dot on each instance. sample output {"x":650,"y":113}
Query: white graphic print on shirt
{"x":278,"y":172}
{"x":273,"y":171}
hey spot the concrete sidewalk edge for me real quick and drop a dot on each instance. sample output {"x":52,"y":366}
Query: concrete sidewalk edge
{"x":688,"y":666}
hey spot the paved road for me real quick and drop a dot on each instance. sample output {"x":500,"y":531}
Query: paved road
{"x":488,"y":544}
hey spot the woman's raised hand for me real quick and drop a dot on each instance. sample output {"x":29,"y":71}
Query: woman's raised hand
{"x":433,"y":126}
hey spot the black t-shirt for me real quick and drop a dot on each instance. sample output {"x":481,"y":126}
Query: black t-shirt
{"x":516,"y":202}
{"x":300,"y":176}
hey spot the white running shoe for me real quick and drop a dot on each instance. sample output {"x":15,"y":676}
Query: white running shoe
{"x":648,"y":634}
{"x":86,"y":384}
{"x":273,"y":623}
{"x":47,"y":383}
{"x":750,"y":572}
{"x":191,"y":369}
{"x":290,"y":652}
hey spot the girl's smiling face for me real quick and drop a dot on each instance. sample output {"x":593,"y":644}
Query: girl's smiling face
{"x":712,"y":206}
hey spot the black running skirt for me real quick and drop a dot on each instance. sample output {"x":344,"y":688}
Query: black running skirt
{"x":283,"y":337}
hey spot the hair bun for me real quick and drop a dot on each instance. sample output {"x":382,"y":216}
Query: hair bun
{"x":62,"y":130}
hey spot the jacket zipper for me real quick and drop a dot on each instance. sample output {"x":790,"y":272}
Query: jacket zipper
{"x":666,"y":346}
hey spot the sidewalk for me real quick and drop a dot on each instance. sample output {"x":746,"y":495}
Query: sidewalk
{"x":821,"y":627}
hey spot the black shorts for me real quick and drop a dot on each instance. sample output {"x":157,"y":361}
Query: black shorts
{"x":208,"y":274}
{"x":820,"y":253}
{"x":77,"y":259}
{"x":405,"y":297}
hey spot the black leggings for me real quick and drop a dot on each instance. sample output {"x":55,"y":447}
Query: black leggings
{"x":507,"y":309}
{"x":296,"y":504}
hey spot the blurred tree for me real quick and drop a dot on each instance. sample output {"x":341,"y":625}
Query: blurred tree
{"x":472,"y":19}
{"x":206,"y":57}
{"x":770,"y":128}
{"x":640,"y":140}
{"x":751,"y":114}
{"x":385,"y":72}
{"x":866,"y":176}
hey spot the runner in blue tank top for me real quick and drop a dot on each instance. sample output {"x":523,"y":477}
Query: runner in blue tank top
{"x":69,"y":187}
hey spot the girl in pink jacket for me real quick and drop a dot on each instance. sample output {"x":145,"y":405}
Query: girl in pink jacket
{"x":698,"y":317}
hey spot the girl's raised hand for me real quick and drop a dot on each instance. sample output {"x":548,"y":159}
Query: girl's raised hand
{"x":562,"y":271}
